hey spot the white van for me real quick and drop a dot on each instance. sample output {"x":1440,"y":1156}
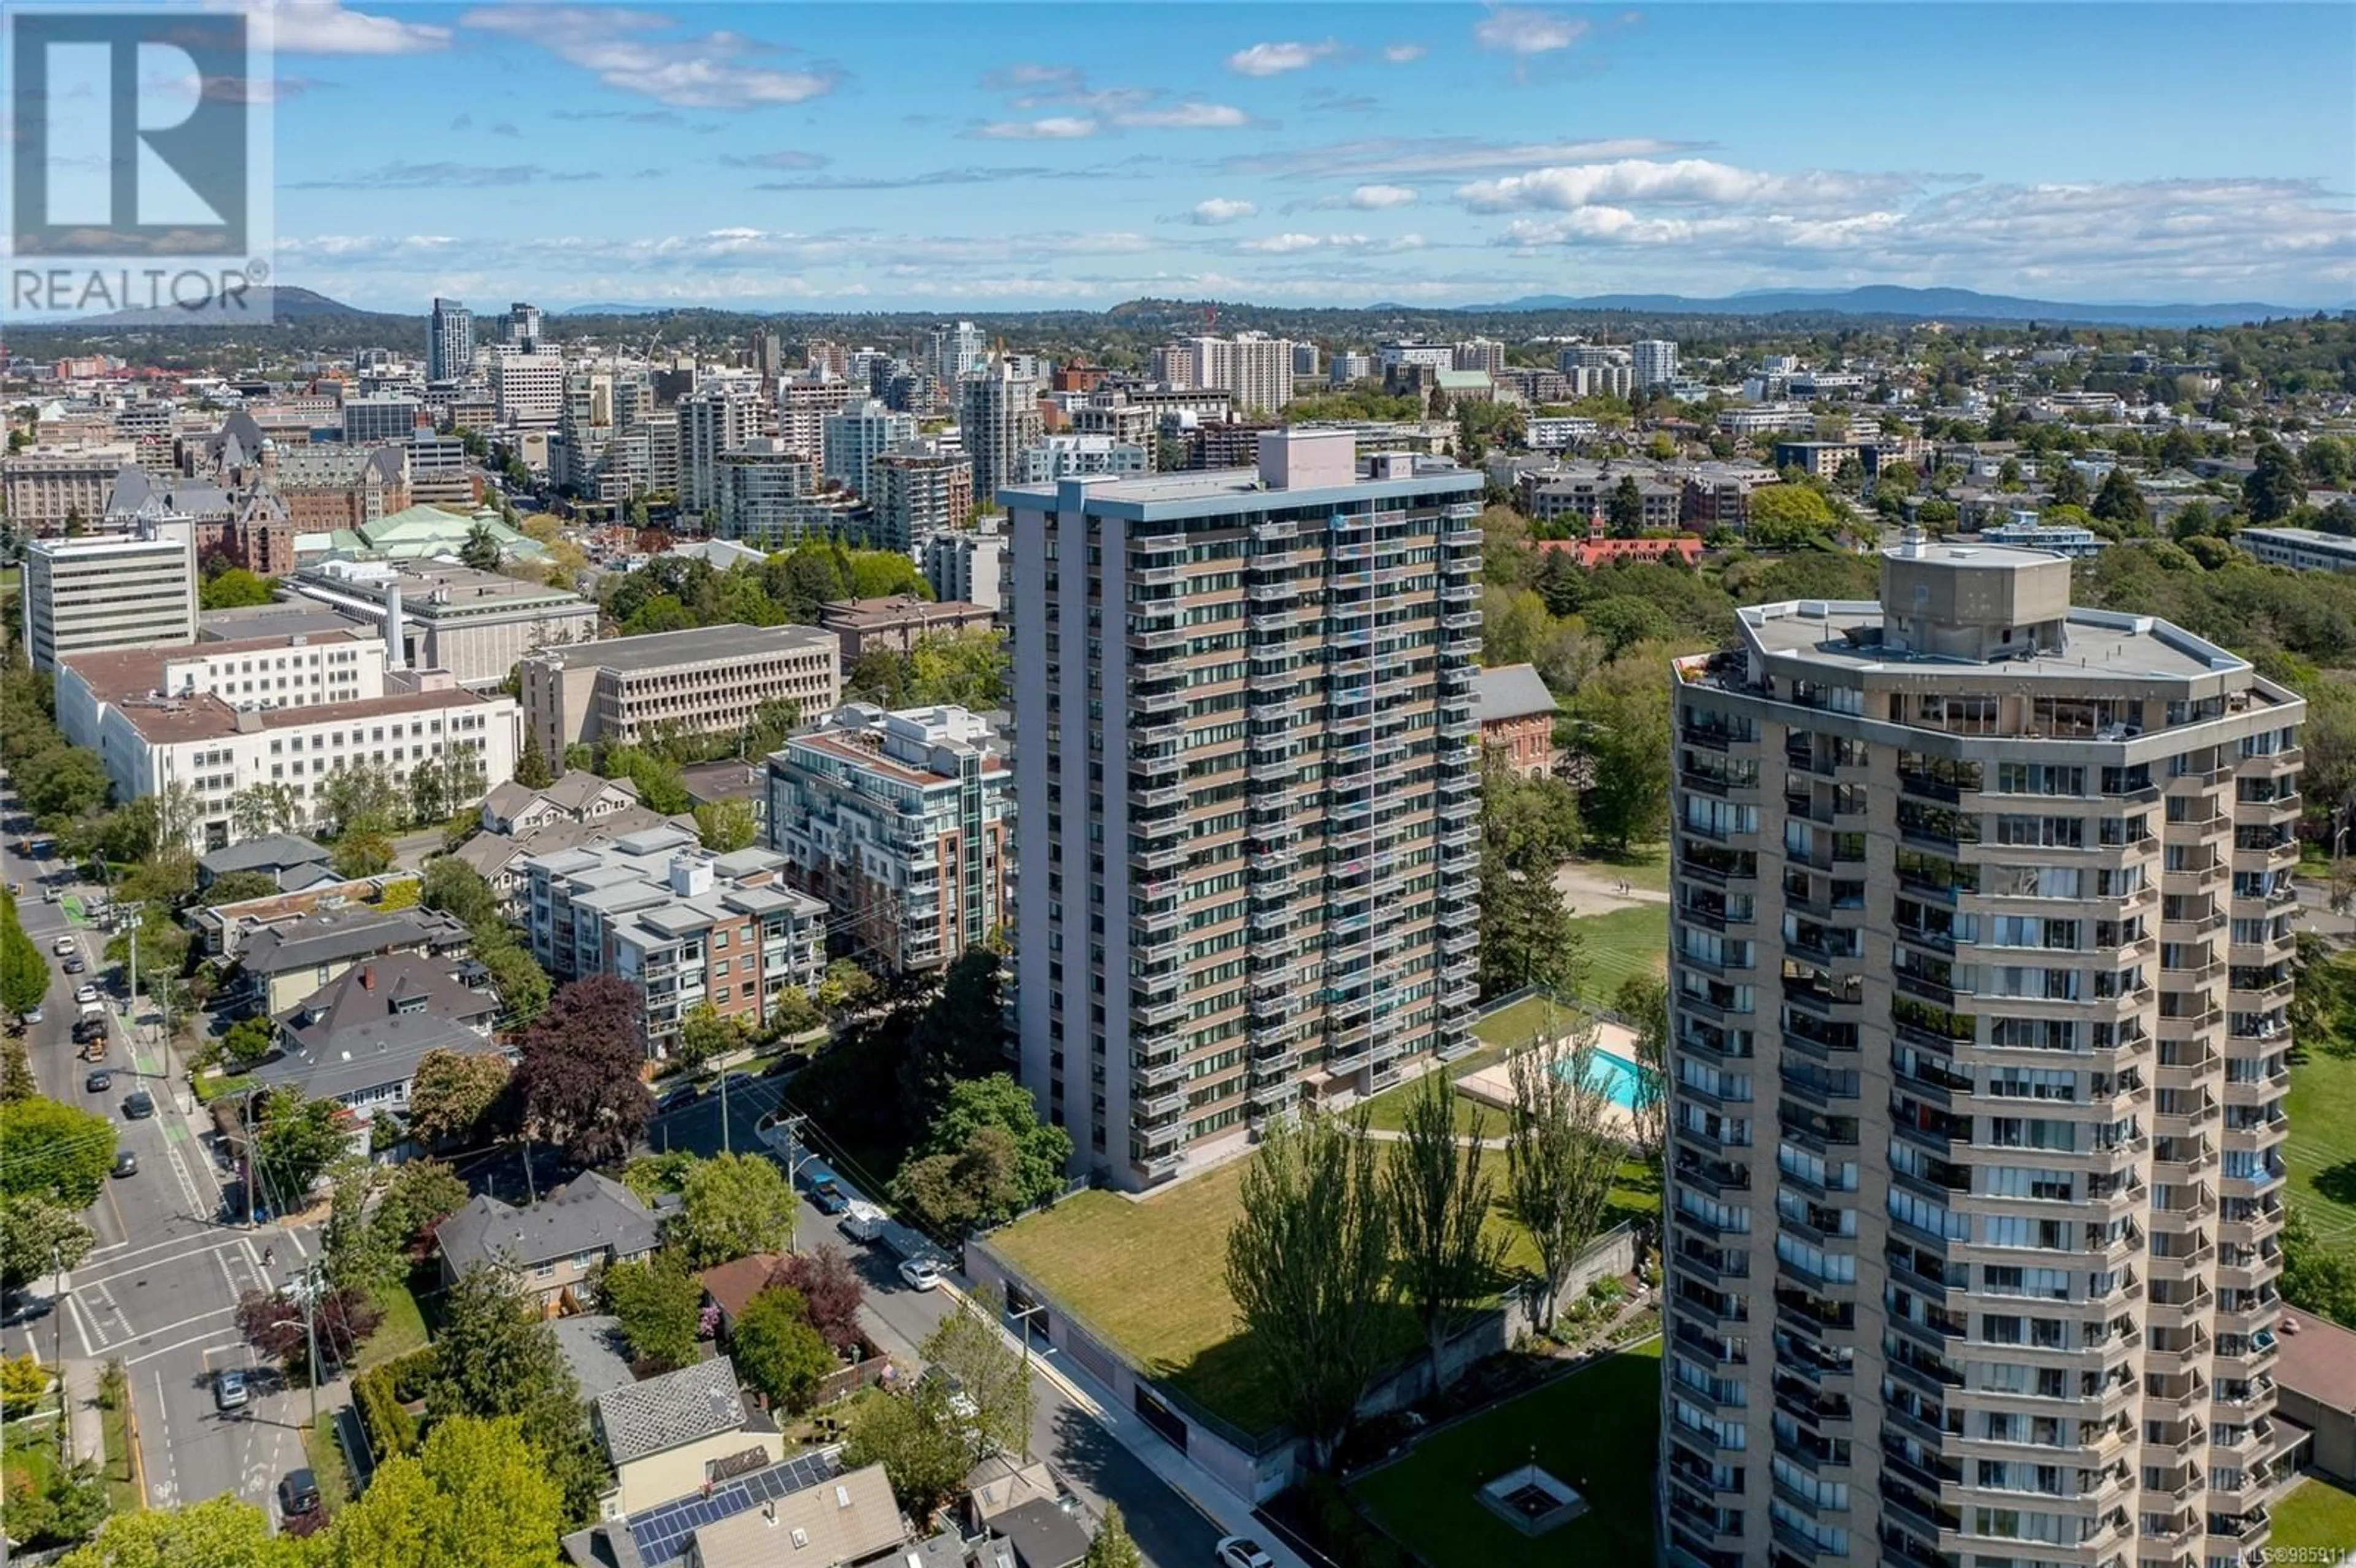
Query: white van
{"x":864,"y":1222}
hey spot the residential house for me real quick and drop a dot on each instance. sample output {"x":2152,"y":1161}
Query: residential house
{"x":291,"y":861}
{"x":669,"y":1435}
{"x":225,"y":928}
{"x":662,"y":1535}
{"x":848,"y":1522}
{"x":709,"y":783}
{"x":1039,"y":1533}
{"x":500,"y":857}
{"x":281,"y":965}
{"x":556,"y":1245}
{"x":579,"y":796}
{"x":1518,"y":716}
{"x":593,"y":1349}
{"x":728,"y":1288}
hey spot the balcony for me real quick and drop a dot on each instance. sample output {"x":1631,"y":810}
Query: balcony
{"x":1166,"y":1135}
{"x":1166,"y":1102}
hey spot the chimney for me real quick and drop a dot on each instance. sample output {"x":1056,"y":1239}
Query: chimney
{"x":368,"y":976}
{"x":394,"y":657}
{"x":1911,"y":545}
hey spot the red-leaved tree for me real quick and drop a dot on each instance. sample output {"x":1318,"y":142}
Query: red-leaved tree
{"x":580,"y":1072}
{"x":830,"y":1288}
{"x":273,"y":1324}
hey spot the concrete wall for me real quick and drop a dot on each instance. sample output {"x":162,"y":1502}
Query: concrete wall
{"x":2335,"y":1433}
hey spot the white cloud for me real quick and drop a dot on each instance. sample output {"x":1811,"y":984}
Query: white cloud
{"x":1403,"y":54}
{"x":1700,"y":182}
{"x":1054,"y":128}
{"x":1376,"y":198}
{"x":325,"y":28}
{"x":1275,"y":59}
{"x":1519,"y":30}
{"x":1397,"y":155}
{"x":1222,"y":209}
{"x":1185,"y":117}
{"x":694,"y":73}
{"x":1293,"y":244}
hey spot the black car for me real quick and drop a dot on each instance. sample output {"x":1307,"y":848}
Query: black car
{"x":98,"y":1083}
{"x":298,"y":1494}
{"x":126,"y":1163}
{"x":139,"y":1105}
{"x":677,"y":1097}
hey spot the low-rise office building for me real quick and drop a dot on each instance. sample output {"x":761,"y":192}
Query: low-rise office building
{"x":689,"y":928}
{"x":710,"y":680}
{"x":899,"y":822}
{"x":475,"y":625}
{"x":897,"y":621}
{"x":2302,"y":550}
{"x":220,"y":717}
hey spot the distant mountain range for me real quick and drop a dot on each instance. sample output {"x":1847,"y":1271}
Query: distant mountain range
{"x":621,"y":309}
{"x":1921,"y":304}
{"x":266,"y":301}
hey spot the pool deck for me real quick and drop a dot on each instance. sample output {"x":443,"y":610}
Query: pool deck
{"x":1493,"y":1085}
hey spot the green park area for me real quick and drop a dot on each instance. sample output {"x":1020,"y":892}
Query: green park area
{"x":2322,"y":1149}
{"x":2315,"y":1522}
{"x":1595,"y":1430}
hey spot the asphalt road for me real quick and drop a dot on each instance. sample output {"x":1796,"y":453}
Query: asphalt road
{"x":160,"y":1289}
{"x":1169,"y":1530}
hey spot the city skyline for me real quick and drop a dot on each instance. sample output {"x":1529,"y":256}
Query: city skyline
{"x":1029,"y":156}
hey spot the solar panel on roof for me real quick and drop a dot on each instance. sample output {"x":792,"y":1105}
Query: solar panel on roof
{"x":662,"y":1533}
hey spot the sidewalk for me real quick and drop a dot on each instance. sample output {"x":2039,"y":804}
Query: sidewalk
{"x":88,"y":1428}
{"x":1228,"y":1514}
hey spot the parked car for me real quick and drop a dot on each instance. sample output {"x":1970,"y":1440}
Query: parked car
{"x":829,"y":1200}
{"x":33,"y":1015}
{"x":140,"y":1105}
{"x":85,"y":993}
{"x":1240,"y":1551}
{"x":126,"y":1163}
{"x":298,"y":1494}
{"x":922,"y":1274}
{"x":63,"y":946}
{"x":98,"y":1083}
{"x":677,"y":1097}
{"x":74,"y":966}
{"x":230,"y":1391}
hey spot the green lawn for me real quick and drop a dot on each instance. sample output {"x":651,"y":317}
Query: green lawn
{"x":402,"y":1331}
{"x":122,"y":1479}
{"x":2315,"y":1517}
{"x":1596,"y":1430}
{"x":328,"y":1466}
{"x":1150,"y":1276}
{"x":1625,"y":942}
{"x":2322,"y":1149}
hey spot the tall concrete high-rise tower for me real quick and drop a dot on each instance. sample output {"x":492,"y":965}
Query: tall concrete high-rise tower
{"x":449,"y":341}
{"x":1980,"y":962}
{"x":1246,"y":773}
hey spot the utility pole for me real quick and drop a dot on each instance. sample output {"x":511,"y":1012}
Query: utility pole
{"x":310,"y":1280}
{"x":726,"y":1145}
{"x":793,"y":1129}
{"x":1022,"y":1331}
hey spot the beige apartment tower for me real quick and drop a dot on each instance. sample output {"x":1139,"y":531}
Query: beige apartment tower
{"x":1246,"y":783}
{"x":1980,"y":959}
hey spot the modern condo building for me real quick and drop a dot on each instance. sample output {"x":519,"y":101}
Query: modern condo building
{"x":1247,"y":775}
{"x":1980,"y":958}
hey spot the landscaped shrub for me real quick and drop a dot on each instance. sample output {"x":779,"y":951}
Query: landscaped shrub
{"x":391,"y":1430}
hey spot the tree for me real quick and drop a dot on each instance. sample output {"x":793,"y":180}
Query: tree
{"x":727,"y":826}
{"x":531,"y":769}
{"x":777,"y":1350}
{"x":54,"y":1152}
{"x":960,"y":1034}
{"x":1624,"y":512}
{"x":223,"y":1531}
{"x":579,"y":1074}
{"x":451,"y":1096}
{"x":237,"y":887}
{"x":61,"y":781}
{"x":24,"y":972}
{"x":476,"y":1495}
{"x":1528,"y":826}
{"x":234,"y":590}
{"x":360,"y":854}
{"x":295,"y":1139}
{"x":1622,"y":714}
{"x":481,"y":549}
{"x":495,"y":1357}
{"x":274,"y":1323}
{"x":260,"y":810}
{"x":1439,"y":1201}
{"x":418,"y":1195}
{"x":844,"y":987}
{"x":23,"y":1381}
{"x":247,"y":1043}
{"x":2275,"y":486}
{"x":916,"y":1437}
{"x":522,"y":985}
{"x":1643,"y":1001}
{"x":2119,"y":501}
{"x":353,"y":1253}
{"x":660,"y":1304}
{"x":1307,"y":1258}
{"x":968,"y":668}
{"x":831,"y":1292}
{"x":38,"y":1237}
{"x":361,"y":797}
{"x":1559,"y":1154}
{"x":704,"y":1036}
{"x":2067,"y":486}
{"x":986,"y":1155}
{"x":2317,"y":1275}
{"x":733,"y":1206}
{"x":458,"y":890}
{"x":771,"y":726}
{"x":1782,"y":515}
{"x":1111,"y":1547}
{"x":992,"y":1374}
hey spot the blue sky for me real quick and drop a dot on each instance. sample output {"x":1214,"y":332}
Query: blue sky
{"x":989,"y":155}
